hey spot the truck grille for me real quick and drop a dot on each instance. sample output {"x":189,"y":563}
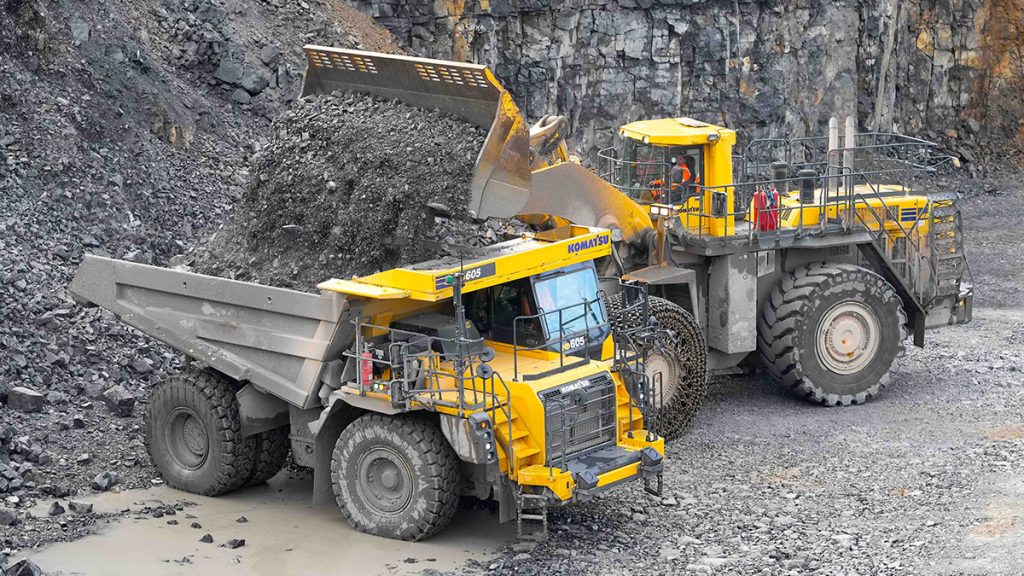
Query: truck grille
{"x":579,"y":417}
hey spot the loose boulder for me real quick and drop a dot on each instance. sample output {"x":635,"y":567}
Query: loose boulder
{"x":25,"y":399}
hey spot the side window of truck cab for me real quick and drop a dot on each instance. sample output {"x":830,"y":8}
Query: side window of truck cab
{"x":494,"y":312}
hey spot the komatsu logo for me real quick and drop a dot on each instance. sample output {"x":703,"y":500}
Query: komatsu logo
{"x":578,"y":385}
{"x":582,"y":245}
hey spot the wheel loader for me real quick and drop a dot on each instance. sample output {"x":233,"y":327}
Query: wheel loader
{"x":814,"y":257}
{"x":404,"y":389}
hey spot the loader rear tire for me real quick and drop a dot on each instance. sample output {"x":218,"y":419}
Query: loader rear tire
{"x":193,"y":434}
{"x":683,"y":365}
{"x":271,"y":453}
{"x":832,"y":333}
{"x":395,"y":476}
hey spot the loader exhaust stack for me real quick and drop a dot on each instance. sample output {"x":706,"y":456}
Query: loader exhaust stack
{"x":501,"y":181}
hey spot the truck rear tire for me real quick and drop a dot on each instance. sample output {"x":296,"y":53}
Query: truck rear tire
{"x":395,"y":476}
{"x":193,"y":434}
{"x":271,"y":453}
{"x":683,"y":366}
{"x":833,"y":333}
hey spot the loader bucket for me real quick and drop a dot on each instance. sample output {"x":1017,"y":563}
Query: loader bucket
{"x":501,"y":180}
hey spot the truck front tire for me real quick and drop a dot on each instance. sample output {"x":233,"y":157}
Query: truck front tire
{"x":193,"y":434}
{"x":395,"y":476}
{"x":833,"y":333}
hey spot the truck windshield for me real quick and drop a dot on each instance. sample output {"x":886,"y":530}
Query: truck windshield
{"x":568,"y":291}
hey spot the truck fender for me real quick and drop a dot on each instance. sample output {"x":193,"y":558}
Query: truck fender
{"x":259,"y":411}
{"x":342,"y":408}
{"x":324,"y":432}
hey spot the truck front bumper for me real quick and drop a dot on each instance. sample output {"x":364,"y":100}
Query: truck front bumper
{"x":590,"y":474}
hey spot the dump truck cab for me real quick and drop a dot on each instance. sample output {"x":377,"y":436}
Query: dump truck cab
{"x":494,"y":374}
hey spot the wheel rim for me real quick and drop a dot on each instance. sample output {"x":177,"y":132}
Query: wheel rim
{"x":187,"y":439}
{"x":847,"y":337}
{"x":669,"y":368}
{"x":385,"y":481}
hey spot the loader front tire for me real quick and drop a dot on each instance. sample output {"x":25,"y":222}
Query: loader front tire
{"x":193,"y":434}
{"x":832,"y":333}
{"x":395,"y":476}
{"x":683,"y":363}
{"x":271,"y":454}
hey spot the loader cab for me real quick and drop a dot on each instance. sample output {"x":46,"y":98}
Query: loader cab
{"x":641,"y":166}
{"x":559,"y":310}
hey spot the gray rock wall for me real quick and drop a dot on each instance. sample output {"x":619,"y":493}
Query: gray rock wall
{"x":945,"y":69}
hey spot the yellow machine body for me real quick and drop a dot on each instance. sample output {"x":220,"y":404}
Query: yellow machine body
{"x":893,"y":209}
{"x":517,"y":414}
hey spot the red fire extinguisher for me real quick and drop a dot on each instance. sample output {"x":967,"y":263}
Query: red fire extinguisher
{"x":366,"y":369}
{"x":766,"y":209}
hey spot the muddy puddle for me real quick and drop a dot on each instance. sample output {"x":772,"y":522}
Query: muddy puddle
{"x":285,"y":534}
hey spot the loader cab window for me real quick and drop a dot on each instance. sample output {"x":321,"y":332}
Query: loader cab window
{"x":645,"y":164}
{"x":652,"y":172}
{"x":692,"y":157}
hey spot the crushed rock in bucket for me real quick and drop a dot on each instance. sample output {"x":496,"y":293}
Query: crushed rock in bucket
{"x":343,"y":189}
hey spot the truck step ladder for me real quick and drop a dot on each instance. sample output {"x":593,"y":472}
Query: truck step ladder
{"x":531,"y":516}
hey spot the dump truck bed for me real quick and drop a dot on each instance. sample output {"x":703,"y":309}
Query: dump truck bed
{"x":275,"y":338}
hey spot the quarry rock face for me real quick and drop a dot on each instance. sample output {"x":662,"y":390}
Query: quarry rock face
{"x":942,"y":70}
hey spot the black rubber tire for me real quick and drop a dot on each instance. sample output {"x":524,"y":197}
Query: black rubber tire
{"x":271,"y":454}
{"x":690,"y":354}
{"x":430,"y":482}
{"x":788,"y":325}
{"x":207,"y":404}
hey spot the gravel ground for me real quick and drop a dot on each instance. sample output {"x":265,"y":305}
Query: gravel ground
{"x":925,"y":479}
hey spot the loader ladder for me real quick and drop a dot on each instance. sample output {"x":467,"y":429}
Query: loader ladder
{"x":922,"y":268}
{"x":946,"y":238}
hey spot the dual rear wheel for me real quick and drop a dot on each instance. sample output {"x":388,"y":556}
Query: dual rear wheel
{"x":393,"y":476}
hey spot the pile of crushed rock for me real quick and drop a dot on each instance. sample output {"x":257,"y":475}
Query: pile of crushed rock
{"x":350,"y":184}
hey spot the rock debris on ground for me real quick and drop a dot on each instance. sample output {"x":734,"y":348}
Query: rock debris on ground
{"x":120,"y":135}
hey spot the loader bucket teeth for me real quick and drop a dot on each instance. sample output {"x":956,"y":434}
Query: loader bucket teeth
{"x":501,"y":180}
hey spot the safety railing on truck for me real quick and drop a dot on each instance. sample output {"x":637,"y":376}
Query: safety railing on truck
{"x":432,"y":371}
{"x":631,"y":341}
{"x":575,"y":340}
{"x":634,"y":339}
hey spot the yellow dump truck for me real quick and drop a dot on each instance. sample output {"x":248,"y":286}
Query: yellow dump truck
{"x":407,"y":388}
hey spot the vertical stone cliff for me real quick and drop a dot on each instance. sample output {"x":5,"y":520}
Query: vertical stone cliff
{"x":945,"y":69}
